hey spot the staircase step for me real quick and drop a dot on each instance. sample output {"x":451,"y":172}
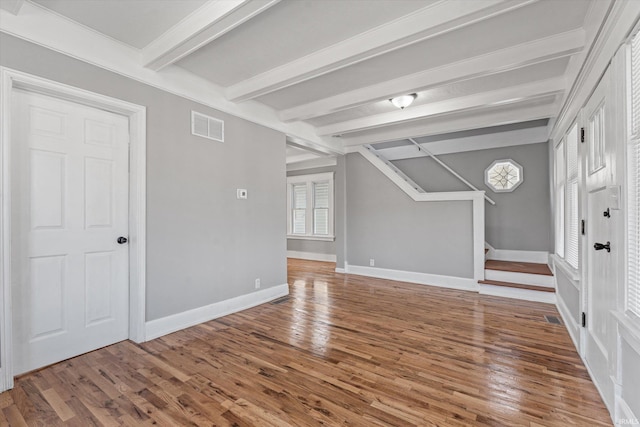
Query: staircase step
{"x":516,"y":285}
{"x":489,"y":287}
{"x":518,"y":267}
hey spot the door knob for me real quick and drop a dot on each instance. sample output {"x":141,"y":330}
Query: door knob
{"x":600,"y":246}
{"x":122,"y":240}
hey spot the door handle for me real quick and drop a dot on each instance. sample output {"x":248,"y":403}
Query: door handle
{"x":600,"y":246}
{"x":607,"y":213}
{"x":122,"y":240}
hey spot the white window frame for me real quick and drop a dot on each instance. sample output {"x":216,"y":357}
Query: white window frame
{"x":514,"y":165}
{"x":564,"y":224}
{"x":571,"y":224}
{"x":309,"y":181}
{"x":632,"y":190}
{"x":560,"y":197}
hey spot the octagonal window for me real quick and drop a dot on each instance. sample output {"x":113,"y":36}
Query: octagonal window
{"x":503,"y":175}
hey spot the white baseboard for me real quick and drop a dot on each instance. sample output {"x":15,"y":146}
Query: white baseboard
{"x":340,"y":270}
{"x":524,"y":278}
{"x":166,"y":325}
{"x":311,"y":256}
{"x":3,"y":386}
{"x":539,"y":257}
{"x":570,"y":323}
{"x":413,"y":277}
{"x":517,"y":293}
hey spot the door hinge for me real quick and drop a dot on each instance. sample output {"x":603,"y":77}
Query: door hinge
{"x":582,"y":227}
{"x":584,"y":319}
{"x":581,"y":134}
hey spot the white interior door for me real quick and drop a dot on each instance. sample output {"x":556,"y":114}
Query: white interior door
{"x":600,"y":249}
{"x":70,"y":287}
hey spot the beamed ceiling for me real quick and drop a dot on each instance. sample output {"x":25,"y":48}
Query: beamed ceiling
{"x":323,"y":71}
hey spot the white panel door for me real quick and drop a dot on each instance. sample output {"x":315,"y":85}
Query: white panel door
{"x":601,"y":248}
{"x":70,"y":287}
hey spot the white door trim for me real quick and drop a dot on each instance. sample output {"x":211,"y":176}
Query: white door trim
{"x":12,"y":79}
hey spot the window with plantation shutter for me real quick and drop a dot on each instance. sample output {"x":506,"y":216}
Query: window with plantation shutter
{"x":310,"y":206}
{"x":633,"y":186}
{"x":571,"y":242}
{"x":321,"y":208}
{"x":299,"y":209}
{"x":560,"y":198}
{"x":567,"y":198}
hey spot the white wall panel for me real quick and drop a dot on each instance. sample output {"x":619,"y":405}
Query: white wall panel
{"x":47,"y":189}
{"x":46,"y":288}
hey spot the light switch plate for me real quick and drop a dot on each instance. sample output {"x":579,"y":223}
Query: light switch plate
{"x":241,"y":193}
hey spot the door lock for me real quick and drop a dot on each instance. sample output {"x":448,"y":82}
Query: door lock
{"x":600,"y":246}
{"x":122,"y":240}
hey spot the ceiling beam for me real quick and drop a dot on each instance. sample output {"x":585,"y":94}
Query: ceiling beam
{"x":301,"y":157}
{"x":206,"y":24}
{"x":464,"y":122}
{"x":510,"y":58}
{"x":319,"y":162}
{"x":12,"y":6}
{"x":39,"y":25}
{"x":433,"y":20}
{"x":469,"y":143}
{"x":501,"y":96}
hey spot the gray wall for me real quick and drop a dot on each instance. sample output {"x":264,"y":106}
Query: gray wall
{"x":340,"y":222}
{"x":383,"y":223}
{"x":203,"y":245}
{"x":314,"y":246}
{"x":520,"y":220}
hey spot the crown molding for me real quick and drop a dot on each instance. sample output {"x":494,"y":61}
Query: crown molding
{"x":617,"y":24}
{"x":47,"y":29}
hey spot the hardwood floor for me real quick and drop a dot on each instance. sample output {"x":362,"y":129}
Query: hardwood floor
{"x":518,"y":267}
{"x":341,"y":350}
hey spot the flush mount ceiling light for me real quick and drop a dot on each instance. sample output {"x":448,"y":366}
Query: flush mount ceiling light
{"x":403,"y":101}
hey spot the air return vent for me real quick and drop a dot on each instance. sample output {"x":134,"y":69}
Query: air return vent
{"x":552,"y":319}
{"x":207,"y":127}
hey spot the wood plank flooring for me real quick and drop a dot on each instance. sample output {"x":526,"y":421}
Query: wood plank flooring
{"x":518,"y":267}
{"x":341,"y":350}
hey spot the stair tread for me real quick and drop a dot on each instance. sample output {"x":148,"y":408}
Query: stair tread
{"x":516,"y":285}
{"x":518,"y":267}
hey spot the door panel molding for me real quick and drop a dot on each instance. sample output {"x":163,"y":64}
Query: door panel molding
{"x":12,"y":79}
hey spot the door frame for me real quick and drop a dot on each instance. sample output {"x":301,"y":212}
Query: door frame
{"x":9,"y":81}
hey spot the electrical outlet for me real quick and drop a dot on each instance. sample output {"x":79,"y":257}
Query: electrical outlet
{"x":257,"y":283}
{"x":372,"y":262}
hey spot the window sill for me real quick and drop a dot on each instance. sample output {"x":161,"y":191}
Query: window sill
{"x":319,"y":238}
{"x":568,"y":270}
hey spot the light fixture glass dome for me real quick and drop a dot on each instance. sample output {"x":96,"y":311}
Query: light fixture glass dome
{"x":403,"y":101}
